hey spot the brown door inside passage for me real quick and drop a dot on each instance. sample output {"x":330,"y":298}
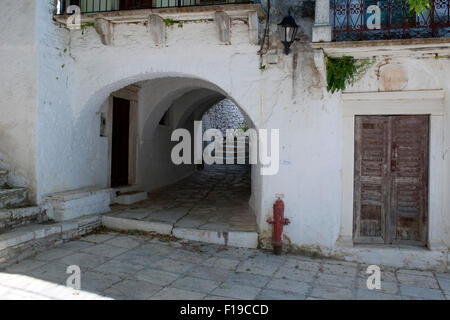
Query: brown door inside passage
{"x":391,"y":179}
{"x":120,"y":142}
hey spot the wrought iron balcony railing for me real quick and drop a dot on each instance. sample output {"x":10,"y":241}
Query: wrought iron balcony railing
{"x":352,"y":21}
{"x":96,"y":6}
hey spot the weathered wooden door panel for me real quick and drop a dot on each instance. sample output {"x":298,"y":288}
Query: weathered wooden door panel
{"x":391,"y":174}
{"x":409,"y":212}
{"x":370,"y":163}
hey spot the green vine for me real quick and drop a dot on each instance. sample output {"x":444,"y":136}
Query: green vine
{"x":345,"y":70}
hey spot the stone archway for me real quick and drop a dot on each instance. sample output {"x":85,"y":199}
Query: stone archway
{"x":212,"y":205}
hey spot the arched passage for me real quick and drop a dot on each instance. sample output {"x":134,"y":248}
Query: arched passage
{"x":163,"y":105}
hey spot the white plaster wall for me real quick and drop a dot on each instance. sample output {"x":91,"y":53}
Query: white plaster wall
{"x":309,"y":175}
{"x":155,"y":167}
{"x":56,"y":123}
{"x":18,"y":91}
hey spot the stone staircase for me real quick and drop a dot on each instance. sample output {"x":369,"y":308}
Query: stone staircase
{"x":14,"y":211}
{"x":234,"y":154}
{"x":26,"y":230}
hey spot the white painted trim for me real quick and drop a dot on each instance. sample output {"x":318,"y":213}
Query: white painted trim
{"x":396,"y":102}
{"x":391,"y":103}
{"x":397,"y":47}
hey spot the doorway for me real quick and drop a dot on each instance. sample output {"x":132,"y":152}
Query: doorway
{"x":391,"y":179}
{"x":120,"y":142}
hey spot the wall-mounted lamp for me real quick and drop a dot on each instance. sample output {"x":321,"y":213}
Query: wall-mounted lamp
{"x":288,"y":30}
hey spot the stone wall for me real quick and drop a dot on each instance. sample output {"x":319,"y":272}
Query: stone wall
{"x":19,"y":92}
{"x":224,"y":115}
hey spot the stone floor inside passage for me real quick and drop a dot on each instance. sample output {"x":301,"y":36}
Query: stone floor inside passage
{"x":211,"y":205}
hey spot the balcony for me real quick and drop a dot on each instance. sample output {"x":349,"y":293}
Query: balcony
{"x":158,"y":16}
{"x":351,"y":20}
{"x":98,"y":6}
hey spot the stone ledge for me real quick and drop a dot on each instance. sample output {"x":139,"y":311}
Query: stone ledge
{"x":131,"y":224}
{"x":235,"y":11}
{"x":240,"y":239}
{"x":229,"y":238}
{"x":11,"y":218}
{"x":26,"y":241}
{"x":363,"y":49}
{"x":12,"y":197}
{"x":76,"y":194}
{"x":3,"y":177}
{"x":394,"y":256}
{"x":131,"y":197}
{"x":76,"y":203}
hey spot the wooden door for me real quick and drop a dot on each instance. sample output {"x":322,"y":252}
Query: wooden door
{"x":391,"y":179}
{"x":120,"y":142}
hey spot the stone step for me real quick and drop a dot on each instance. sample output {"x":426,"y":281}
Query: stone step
{"x":3,"y":177}
{"x":238,"y":147}
{"x":13,"y":197}
{"x":130,"y":197}
{"x":13,"y":218}
{"x":242,"y":239}
{"x":231,"y":152}
{"x":118,"y":223}
{"x":234,"y":159}
{"x":23,"y":242}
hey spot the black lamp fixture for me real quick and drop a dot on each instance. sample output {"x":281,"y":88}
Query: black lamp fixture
{"x":288,"y":30}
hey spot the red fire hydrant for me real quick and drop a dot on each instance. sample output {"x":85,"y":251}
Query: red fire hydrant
{"x":278,"y":222}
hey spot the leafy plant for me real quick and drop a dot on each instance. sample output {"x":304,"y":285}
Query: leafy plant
{"x":418,"y":5}
{"x":343,"y":71}
{"x":169,"y":22}
{"x":86,"y":25}
{"x":243,"y":126}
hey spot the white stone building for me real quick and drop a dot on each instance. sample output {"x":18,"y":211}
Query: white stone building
{"x":60,"y":86}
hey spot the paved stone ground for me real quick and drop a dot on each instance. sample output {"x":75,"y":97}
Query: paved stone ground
{"x":215,"y":198}
{"x":123,"y":266}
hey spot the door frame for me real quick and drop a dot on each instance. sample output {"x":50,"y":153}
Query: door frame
{"x":427,"y":102}
{"x":128,"y":93}
{"x":388,"y":186}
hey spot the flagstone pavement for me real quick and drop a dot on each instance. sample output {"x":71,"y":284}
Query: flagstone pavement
{"x":143,"y":266}
{"x":215,"y":198}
